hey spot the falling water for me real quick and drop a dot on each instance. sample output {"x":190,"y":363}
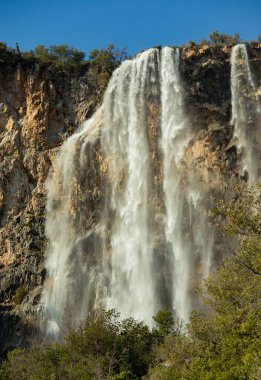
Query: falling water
{"x":150,"y":237}
{"x":175,"y":137}
{"x":125,"y":142}
{"x":245,"y":108}
{"x":73,"y":275}
{"x":187,"y":230}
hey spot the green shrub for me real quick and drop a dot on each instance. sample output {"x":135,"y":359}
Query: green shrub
{"x":217,"y":38}
{"x":103,"y":348}
{"x":191,"y":44}
{"x":20,"y":293}
{"x":104,"y":62}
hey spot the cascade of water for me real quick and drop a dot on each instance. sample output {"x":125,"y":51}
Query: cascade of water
{"x":175,"y":137}
{"x":202,"y":233}
{"x":114,"y":262}
{"x":125,"y":142}
{"x":244,"y":108}
{"x":69,"y":290}
{"x":187,"y":229}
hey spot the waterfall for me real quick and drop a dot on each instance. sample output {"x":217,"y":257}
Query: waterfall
{"x":126,"y":220}
{"x":245,"y":109}
{"x":73,"y":276}
{"x":175,"y":137}
{"x":187,"y":229}
{"x":132,"y":288}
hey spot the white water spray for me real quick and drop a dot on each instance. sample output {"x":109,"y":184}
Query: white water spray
{"x":73,"y":275}
{"x":245,"y":107}
{"x":175,"y":137}
{"x":132,"y":288}
{"x":187,"y":229}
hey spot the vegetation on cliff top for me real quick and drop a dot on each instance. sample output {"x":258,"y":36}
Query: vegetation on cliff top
{"x":222,"y":343}
{"x":66,"y":58}
{"x":100,"y":63}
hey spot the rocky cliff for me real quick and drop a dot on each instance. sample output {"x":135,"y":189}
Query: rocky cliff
{"x":39,"y":110}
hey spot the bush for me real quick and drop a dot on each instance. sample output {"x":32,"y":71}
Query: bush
{"x":203,"y":42}
{"x":191,"y":44}
{"x":217,"y":38}
{"x":103,"y":348}
{"x":59,"y":57}
{"x":20,"y":293}
{"x":104,"y":62}
{"x":8,"y":55}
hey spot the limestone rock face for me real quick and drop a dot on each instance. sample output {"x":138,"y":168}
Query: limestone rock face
{"x":39,"y":110}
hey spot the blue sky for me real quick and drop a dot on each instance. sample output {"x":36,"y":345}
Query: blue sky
{"x":136,"y":25}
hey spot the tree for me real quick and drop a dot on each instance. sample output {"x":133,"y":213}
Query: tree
{"x":103,"y":347}
{"x":42,"y":53}
{"x":5,"y":53}
{"x":59,"y":57}
{"x":191,"y":44}
{"x":104,"y":62}
{"x":217,"y":38}
{"x":135,"y":347}
{"x":164,"y":323}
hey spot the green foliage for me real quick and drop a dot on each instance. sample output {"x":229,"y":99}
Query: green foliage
{"x":224,"y":343}
{"x":126,"y":375}
{"x":217,"y":38}
{"x":243,"y":221}
{"x":203,"y":42}
{"x":164,"y":323}
{"x":102,"y":348}
{"x":107,"y":59}
{"x":3,"y":52}
{"x":7,"y":55}
{"x":191,"y":44}
{"x":20,"y":293}
{"x":135,"y":342}
{"x":104,"y":62}
{"x":59,"y":57}
{"x":66,"y":59}
{"x":3,"y":47}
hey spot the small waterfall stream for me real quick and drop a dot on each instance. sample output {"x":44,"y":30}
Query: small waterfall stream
{"x":72,"y":274}
{"x":245,"y":109}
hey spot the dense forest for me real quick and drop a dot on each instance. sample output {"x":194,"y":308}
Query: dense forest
{"x":222,"y":342}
